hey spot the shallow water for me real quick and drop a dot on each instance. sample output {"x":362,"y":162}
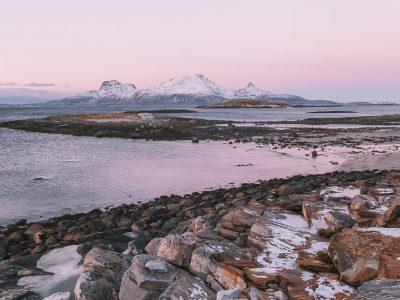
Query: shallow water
{"x":75,"y":174}
{"x":43,"y":175}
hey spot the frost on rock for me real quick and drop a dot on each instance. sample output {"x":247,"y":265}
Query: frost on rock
{"x":278,"y":235}
{"x":328,"y":288}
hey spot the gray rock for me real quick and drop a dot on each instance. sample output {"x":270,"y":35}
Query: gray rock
{"x":102,"y":275}
{"x":336,"y":221}
{"x":130,"y":289}
{"x":149,"y":280}
{"x":228,"y":294}
{"x":379,"y":289}
{"x":3,"y":241}
{"x":138,"y":243}
{"x":157,"y":265}
{"x":187,"y":287}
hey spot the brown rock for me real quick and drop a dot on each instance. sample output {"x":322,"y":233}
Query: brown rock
{"x":39,"y":237}
{"x":177,"y":249}
{"x":356,"y":253}
{"x":389,"y":267}
{"x":230,"y":277}
{"x":393,"y":176}
{"x":315,"y":265}
{"x":33,"y":229}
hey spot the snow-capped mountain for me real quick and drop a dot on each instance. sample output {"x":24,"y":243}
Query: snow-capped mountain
{"x":188,"y":90}
{"x":114,"y":88}
{"x":189,"y":85}
{"x":251,"y":91}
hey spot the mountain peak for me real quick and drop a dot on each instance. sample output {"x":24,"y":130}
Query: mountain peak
{"x":250,"y":85}
{"x":196,"y":84}
{"x":114,"y":83}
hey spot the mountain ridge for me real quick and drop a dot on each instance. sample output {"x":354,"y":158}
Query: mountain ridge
{"x":187,"y":90}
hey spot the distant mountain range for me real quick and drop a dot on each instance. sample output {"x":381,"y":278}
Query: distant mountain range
{"x":189,"y":90}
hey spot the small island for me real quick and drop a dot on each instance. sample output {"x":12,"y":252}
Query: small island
{"x":247,"y":103}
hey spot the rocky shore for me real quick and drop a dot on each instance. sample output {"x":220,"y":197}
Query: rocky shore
{"x":331,"y":236}
{"x":158,"y":126}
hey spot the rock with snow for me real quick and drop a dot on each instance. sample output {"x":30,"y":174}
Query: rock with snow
{"x":187,"y":287}
{"x":228,"y":294}
{"x":322,"y":288}
{"x":59,"y":296}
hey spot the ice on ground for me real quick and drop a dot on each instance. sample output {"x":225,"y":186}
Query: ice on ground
{"x":317,"y":247}
{"x":197,"y":292}
{"x":340,"y":192}
{"x":59,"y":296}
{"x":63,"y":263}
{"x":283,"y":235}
{"x":328,"y":289}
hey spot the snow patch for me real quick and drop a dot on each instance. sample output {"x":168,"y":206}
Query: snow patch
{"x":63,"y":263}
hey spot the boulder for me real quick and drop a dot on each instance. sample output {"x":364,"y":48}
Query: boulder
{"x":138,"y":243}
{"x":230,"y":277}
{"x":187,"y":287}
{"x":15,"y":237}
{"x":379,"y":289}
{"x":336,"y":221}
{"x":362,"y":207}
{"x":157,"y":265}
{"x":209,"y":253}
{"x":230,"y":294}
{"x":288,"y":189}
{"x":3,"y":241}
{"x":152,"y":281}
{"x":356,"y":253}
{"x":102,"y":275}
{"x":177,"y":249}
{"x":154,"y":211}
{"x":34,"y":228}
{"x":130,"y":290}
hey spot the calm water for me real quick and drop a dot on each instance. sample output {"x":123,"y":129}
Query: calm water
{"x":215,"y":114}
{"x":81,"y":173}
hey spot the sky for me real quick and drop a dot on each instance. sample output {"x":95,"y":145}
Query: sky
{"x":346,"y":50}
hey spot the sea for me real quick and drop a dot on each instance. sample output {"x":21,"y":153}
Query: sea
{"x":46,"y":175}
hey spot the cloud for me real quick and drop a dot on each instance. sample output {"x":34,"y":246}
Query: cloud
{"x":31,"y":84}
{"x":39,"y":84}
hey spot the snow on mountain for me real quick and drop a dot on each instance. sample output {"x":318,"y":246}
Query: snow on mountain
{"x":118,"y":89}
{"x":251,"y":91}
{"x":188,"y":90}
{"x":110,"y":89}
{"x":189,"y":85}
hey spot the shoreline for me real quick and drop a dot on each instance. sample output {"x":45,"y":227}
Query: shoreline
{"x":157,"y":127}
{"x":131,"y":231}
{"x":129,"y":210}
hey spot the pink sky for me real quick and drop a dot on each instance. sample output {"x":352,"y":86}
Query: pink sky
{"x":330,"y":49}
